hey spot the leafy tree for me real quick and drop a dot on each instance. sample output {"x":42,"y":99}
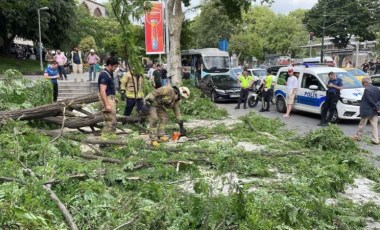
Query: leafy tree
{"x":343,"y":19}
{"x":213,"y":24}
{"x":19,"y":18}
{"x":88,"y":43}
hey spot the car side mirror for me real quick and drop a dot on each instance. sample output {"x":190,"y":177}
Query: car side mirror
{"x":313,"y":87}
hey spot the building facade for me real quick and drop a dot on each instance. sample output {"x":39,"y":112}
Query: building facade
{"x":96,"y":9}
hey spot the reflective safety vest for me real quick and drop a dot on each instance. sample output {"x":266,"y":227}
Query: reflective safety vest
{"x":132,"y":85}
{"x":268,"y":81}
{"x":245,"y":81}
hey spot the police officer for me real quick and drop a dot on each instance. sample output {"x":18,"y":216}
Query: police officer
{"x":131,"y":89}
{"x":334,"y":86}
{"x":156,"y":103}
{"x":245,"y":82}
{"x":267,"y":92}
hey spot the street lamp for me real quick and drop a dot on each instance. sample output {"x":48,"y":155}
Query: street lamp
{"x":39,"y":30}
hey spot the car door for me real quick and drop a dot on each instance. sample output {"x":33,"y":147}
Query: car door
{"x":310,"y":100}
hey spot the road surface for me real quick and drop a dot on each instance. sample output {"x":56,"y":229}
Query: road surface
{"x":302,"y":123}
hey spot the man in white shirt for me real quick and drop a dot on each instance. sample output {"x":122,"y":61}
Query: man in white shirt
{"x":291,"y":91}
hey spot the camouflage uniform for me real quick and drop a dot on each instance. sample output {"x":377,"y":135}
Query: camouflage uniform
{"x":110,"y":117}
{"x":166,"y":97}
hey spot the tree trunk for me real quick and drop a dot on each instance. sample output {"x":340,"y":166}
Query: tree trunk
{"x":49,"y":110}
{"x":175,"y":25}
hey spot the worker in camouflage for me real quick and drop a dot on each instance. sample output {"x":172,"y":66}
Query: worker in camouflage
{"x":156,"y":103}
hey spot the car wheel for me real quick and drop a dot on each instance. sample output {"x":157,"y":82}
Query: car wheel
{"x":281,"y":105}
{"x":213,"y":97}
{"x":252,"y":101}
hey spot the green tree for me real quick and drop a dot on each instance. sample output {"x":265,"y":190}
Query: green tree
{"x":343,"y":19}
{"x":19,"y":18}
{"x":88,"y":43}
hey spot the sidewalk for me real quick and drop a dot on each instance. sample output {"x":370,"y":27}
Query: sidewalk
{"x":70,"y":77}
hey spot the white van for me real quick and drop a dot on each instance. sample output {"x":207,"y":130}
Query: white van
{"x":311,"y":93}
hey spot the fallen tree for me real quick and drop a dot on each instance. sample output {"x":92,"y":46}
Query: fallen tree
{"x":62,"y":113}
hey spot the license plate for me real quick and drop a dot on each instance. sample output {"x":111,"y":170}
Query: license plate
{"x":235,"y":95}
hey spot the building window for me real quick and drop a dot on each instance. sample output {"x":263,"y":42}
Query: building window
{"x":98,"y":13}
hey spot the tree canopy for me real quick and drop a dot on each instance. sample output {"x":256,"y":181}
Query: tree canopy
{"x":343,"y":19}
{"x":19,"y":18}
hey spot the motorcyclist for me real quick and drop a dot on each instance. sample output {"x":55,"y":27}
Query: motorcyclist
{"x":156,"y":103}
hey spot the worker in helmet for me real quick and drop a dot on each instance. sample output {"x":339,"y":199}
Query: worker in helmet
{"x":156,"y":103}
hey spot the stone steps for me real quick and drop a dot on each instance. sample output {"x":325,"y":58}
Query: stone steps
{"x":72,"y":89}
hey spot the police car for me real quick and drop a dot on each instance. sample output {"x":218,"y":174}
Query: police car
{"x":311,"y":92}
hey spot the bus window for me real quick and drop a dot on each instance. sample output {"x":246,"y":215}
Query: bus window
{"x":215,"y":62}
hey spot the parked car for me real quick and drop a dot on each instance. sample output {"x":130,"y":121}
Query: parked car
{"x":274,"y":69}
{"x":376,"y":80}
{"x":359,"y":74}
{"x":235,"y":72}
{"x":258,"y":77}
{"x":311,"y":93}
{"x":221,"y":87}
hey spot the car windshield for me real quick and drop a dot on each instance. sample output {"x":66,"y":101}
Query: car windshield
{"x":348,"y":80}
{"x":376,"y":81}
{"x":223,"y":79}
{"x":357,"y":72}
{"x":216,"y":62}
{"x":259,"y":73}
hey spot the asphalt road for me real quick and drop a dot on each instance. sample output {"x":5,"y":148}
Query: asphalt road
{"x":302,"y":122}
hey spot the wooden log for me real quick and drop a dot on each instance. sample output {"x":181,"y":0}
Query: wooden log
{"x":78,"y":122}
{"x":49,"y":110}
{"x":102,"y":159}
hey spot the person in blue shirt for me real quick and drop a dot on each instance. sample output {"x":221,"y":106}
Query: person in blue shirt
{"x":107,"y":93}
{"x":334,"y":86}
{"x":51,"y":72}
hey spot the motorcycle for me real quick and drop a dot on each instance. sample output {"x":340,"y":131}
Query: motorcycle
{"x":256,"y":96}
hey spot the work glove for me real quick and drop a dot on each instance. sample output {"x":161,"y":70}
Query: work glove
{"x":122,"y":92}
{"x":182,"y":129}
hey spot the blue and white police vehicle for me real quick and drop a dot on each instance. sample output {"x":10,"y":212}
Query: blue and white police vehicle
{"x":311,"y":92}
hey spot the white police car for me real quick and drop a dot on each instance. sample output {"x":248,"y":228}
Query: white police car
{"x":311,"y":92}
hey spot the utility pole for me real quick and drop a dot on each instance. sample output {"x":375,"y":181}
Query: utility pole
{"x":39,"y":30}
{"x":323,"y":31}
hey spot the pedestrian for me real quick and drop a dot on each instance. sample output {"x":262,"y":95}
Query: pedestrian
{"x":291,"y":91}
{"x":77,"y":62}
{"x":245,"y":82}
{"x":334,"y":86}
{"x":150,"y":72}
{"x":371,"y":67}
{"x":164,"y":76}
{"x":92,"y":60}
{"x":107,"y":93}
{"x":349,"y":65}
{"x":156,"y":103}
{"x":132,"y":91}
{"x":49,"y":58}
{"x":365,"y":66}
{"x":267,"y":92}
{"x":157,"y":83}
{"x":369,"y":109}
{"x":51,"y":73}
{"x":61,"y":59}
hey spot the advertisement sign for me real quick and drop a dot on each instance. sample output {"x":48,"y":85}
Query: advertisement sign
{"x":154,"y":29}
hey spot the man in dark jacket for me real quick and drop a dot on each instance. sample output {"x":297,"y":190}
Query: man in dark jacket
{"x":369,"y":109}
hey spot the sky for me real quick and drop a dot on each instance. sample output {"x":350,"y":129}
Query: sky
{"x":280,"y":6}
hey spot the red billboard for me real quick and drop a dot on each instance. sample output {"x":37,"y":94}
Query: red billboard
{"x":154,"y":29}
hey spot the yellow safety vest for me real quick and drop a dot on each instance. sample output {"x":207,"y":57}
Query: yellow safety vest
{"x":245,"y":81}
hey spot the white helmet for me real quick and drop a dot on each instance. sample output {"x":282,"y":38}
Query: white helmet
{"x":92,"y":51}
{"x":184,"y":92}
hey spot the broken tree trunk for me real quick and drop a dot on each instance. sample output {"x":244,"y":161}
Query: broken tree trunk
{"x":78,"y":122}
{"x":49,"y":110}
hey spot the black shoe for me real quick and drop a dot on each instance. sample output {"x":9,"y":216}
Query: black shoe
{"x":322,"y":123}
{"x":245,"y":107}
{"x":262,"y":110}
{"x":237,"y":107}
{"x":267,"y":110}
